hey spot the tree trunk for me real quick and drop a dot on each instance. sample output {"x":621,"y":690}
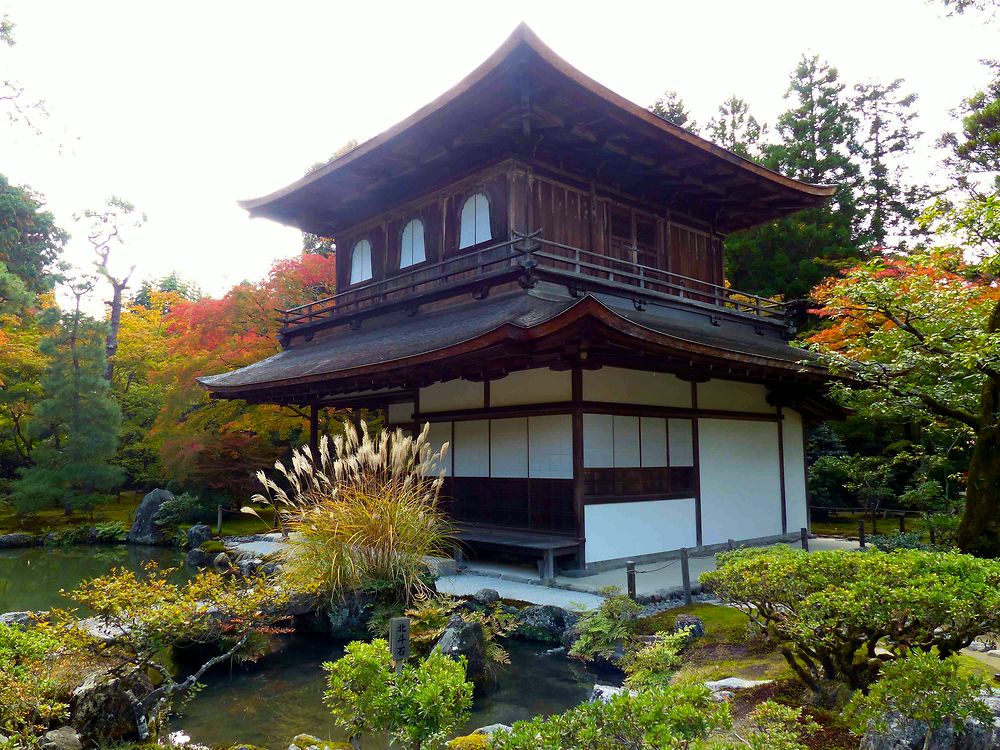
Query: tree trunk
{"x":114,"y":324}
{"x":979,"y":533}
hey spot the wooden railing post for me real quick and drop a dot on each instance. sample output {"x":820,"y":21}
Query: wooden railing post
{"x":630,"y":579}
{"x":685,"y":575}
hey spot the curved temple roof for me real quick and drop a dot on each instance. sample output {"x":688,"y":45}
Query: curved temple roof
{"x":473,"y":334}
{"x":525,"y":99}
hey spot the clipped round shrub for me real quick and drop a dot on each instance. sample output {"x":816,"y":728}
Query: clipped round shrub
{"x":829,"y":611}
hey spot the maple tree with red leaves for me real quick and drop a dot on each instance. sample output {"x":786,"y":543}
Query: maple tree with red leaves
{"x":217,"y":446}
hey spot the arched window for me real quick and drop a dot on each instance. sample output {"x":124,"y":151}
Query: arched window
{"x":475,"y":221}
{"x":361,"y":261}
{"x":411,"y":244}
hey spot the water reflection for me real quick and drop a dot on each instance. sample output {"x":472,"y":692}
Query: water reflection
{"x":268,"y":703}
{"x":30,"y":579}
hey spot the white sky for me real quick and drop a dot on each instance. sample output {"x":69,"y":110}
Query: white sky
{"x":185,"y":107}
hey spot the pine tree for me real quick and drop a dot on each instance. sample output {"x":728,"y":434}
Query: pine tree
{"x":671,"y":108}
{"x":76,"y":424}
{"x":891,"y":206}
{"x":736,"y":129}
{"x":818,"y":144}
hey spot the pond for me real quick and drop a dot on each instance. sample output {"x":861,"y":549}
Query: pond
{"x":30,"y":579}
{"x":268,"y":703}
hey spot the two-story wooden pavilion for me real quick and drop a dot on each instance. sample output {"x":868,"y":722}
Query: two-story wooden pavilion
{"x":533,"y":265}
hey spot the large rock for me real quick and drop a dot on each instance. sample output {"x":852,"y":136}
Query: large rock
{"x":198,"y":535}
{"x":544,"y":623}
{"x":350,"y":616}
{"x":904,"y":734}
{"x":734,"y":683}
{"x":17,"y":619}
{"x":693,"y":626}
{"x":199,"y":558}
{"x":466,"y":639}
{"x":63,"y":738}
{"x":100,"y":709}
{"x":10,"y":541}
{"x":144,"y":529}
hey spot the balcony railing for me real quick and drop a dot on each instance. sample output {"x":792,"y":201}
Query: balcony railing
{"x":525,"y":257}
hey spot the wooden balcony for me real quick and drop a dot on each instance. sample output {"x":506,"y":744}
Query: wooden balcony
{"x":526,"y":259}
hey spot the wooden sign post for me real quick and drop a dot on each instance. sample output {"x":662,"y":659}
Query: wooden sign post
{"x":399,"y":641}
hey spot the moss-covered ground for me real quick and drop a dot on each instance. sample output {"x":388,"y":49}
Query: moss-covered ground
{"x":729,"y":648}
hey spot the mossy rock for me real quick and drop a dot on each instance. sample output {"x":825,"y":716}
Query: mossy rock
{"x":308,"y":742}
{"x":213,"y":546}
{"x":471,"y":742}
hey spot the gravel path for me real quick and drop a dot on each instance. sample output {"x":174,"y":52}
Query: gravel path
{"x":465,"y":584}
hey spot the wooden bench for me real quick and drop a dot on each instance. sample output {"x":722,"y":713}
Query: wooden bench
{"x":545,"y":546}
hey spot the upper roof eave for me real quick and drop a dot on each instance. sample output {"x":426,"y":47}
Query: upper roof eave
{"x":523,"y":35}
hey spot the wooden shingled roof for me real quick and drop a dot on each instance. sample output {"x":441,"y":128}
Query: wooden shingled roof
{"x":525,"y":100}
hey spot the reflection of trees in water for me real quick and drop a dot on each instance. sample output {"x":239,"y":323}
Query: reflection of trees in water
{"x":31,"y":578}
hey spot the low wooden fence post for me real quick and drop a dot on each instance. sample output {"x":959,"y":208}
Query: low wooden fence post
{"x":861,"y":533}
{"x":219,"y":529}
{"x":685,"y":575}
{"x":630,"y":579}
{"x":804,"y":533}
{"x":902,"y":523}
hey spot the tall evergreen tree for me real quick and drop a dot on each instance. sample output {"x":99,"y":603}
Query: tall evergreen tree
{"x":672,"y":109}
{"x":30,"y":244}
{"x":734,"y":128}
{"x":818,"y":145}
{"x":75,"y":425}
{"x":890,"y":205}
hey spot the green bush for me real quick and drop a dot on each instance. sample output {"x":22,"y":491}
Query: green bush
{"x":430,"y":615}
{"x":213,"y":546}
{"x":921,"y":688}
{"x":673,"y":718}
{"x":773,"y":726}
{"x":29,"y":695}
{"x":110,"y":531}
{"x":839,"y":615}
{"x":653,"y":665}
{"x":417,"y":708}
{"x":893,"y":542}
{"x":601,"y":631}
{"x":186,"y":508}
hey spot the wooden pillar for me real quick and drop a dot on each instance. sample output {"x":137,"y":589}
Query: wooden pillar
{"x":579,"y":508}
{"x":781,"y":473}
{"x":314,"y":430}
{"x":697,"y":463}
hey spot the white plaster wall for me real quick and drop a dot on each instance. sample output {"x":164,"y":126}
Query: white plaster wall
{"x":538,"y":386}
{"x":680,"y":433}
{"x":509,"y":447}
{"x":654,"y":441}
{"x":733,"y":396}
{"x":740,"y":486}
{"x":400,"y":412}
{"x":598,"y":441}
{"x":550,"y":447}
{"x":440,"y":433}
{"x":617,"y":530}
{"x":471,"y":451}
{"x":796,"y":498}
{"x":451,"y":396}
{"x":626,"y":441}
{"x":624,"y":386}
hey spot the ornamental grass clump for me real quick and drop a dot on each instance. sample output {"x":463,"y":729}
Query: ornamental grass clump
{"x":840,"y":615}
{"x":363,"y":513}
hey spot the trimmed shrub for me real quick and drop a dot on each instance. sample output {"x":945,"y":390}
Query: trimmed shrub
{"x":829,"y":611}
